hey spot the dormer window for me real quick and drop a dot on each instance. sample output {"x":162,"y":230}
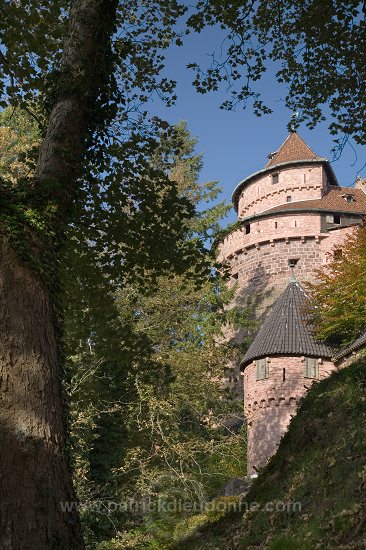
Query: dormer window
{"x":275,"y":178}
{"x":333,"y":218}
{"x":349,"y":198}
{"x":271,"y":155}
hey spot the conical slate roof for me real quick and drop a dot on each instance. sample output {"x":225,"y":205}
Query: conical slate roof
{"x":285,"y":330}
{"x":293,"y":148}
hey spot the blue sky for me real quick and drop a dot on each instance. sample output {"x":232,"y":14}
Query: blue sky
{"x":236,"y":144}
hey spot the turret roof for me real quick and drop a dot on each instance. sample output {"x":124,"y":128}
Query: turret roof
{"x":293,"y":148}
{"x":292,"y":153}
{"x":286,"y":331}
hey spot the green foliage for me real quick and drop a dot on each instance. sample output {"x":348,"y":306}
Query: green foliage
{"x":33,"y":36}
{"x":338,"y":306}
{"x":28,"y":218}
{"x":316,"y":48}
{"x":319,"y":464}
{"x":123,"y":205}
{"x":19,"y":141}
{"x":149,"y":385}
{"x":129,"y":540}
{"x":215,"y":510}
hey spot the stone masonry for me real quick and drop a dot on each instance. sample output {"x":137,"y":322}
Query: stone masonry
{"x":291,"y":212}
{"x":269,"y":404}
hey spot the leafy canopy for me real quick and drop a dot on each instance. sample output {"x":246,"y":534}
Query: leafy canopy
{"x":152,"y":405}
{"x":316,"y":49}
{"x":19,"y":138}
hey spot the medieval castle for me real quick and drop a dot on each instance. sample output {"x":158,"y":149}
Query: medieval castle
{"x":293,"y":217}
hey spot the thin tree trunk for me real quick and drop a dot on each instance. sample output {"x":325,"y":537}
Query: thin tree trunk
{"x":35,"y":483}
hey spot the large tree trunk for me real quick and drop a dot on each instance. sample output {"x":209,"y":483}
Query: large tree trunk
{"x":35,"y":484}
{"x":37,"y":504}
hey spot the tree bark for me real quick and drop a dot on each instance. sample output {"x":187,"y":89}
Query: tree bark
{"x":35,"y":482}
{"x":37,"y":503}
{"x":86,"y":65}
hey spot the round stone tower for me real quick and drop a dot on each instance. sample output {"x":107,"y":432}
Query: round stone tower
{"x":292,"y":212}
{"x":281,"y":363}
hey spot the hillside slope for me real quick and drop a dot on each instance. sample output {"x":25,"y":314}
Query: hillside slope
{"x":321,"y":464}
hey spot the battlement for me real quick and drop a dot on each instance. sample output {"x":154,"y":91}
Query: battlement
{"x":283,"y":401}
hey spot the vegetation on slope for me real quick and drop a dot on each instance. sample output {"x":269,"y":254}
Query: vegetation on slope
{"x":321,"y":464}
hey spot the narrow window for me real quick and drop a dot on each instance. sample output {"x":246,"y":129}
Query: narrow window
{"x":311,"y":367}
{"x":283,"y":374}
{"x":338,"y":253}
{"x":295,"y":223}
{"x":275,"y":178}
{"x":247,"y":228}
{"x":275,"y":225}
{"x":288,"y":198}
{"x":262,"y":369}
{"x":293,"y":261}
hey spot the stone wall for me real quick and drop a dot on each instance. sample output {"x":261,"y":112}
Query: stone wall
{"x":335,"y":240}
{"x":269,"y":404}
{"x":270,"y":229}
{"x":261,"y":271}
{"x":299,"y":182}
{"x":351,"y":357}
{"x":259,"y":260}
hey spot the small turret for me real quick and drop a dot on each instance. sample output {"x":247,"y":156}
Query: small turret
{"x":281,"y":363}
{"x":285,"y":330}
